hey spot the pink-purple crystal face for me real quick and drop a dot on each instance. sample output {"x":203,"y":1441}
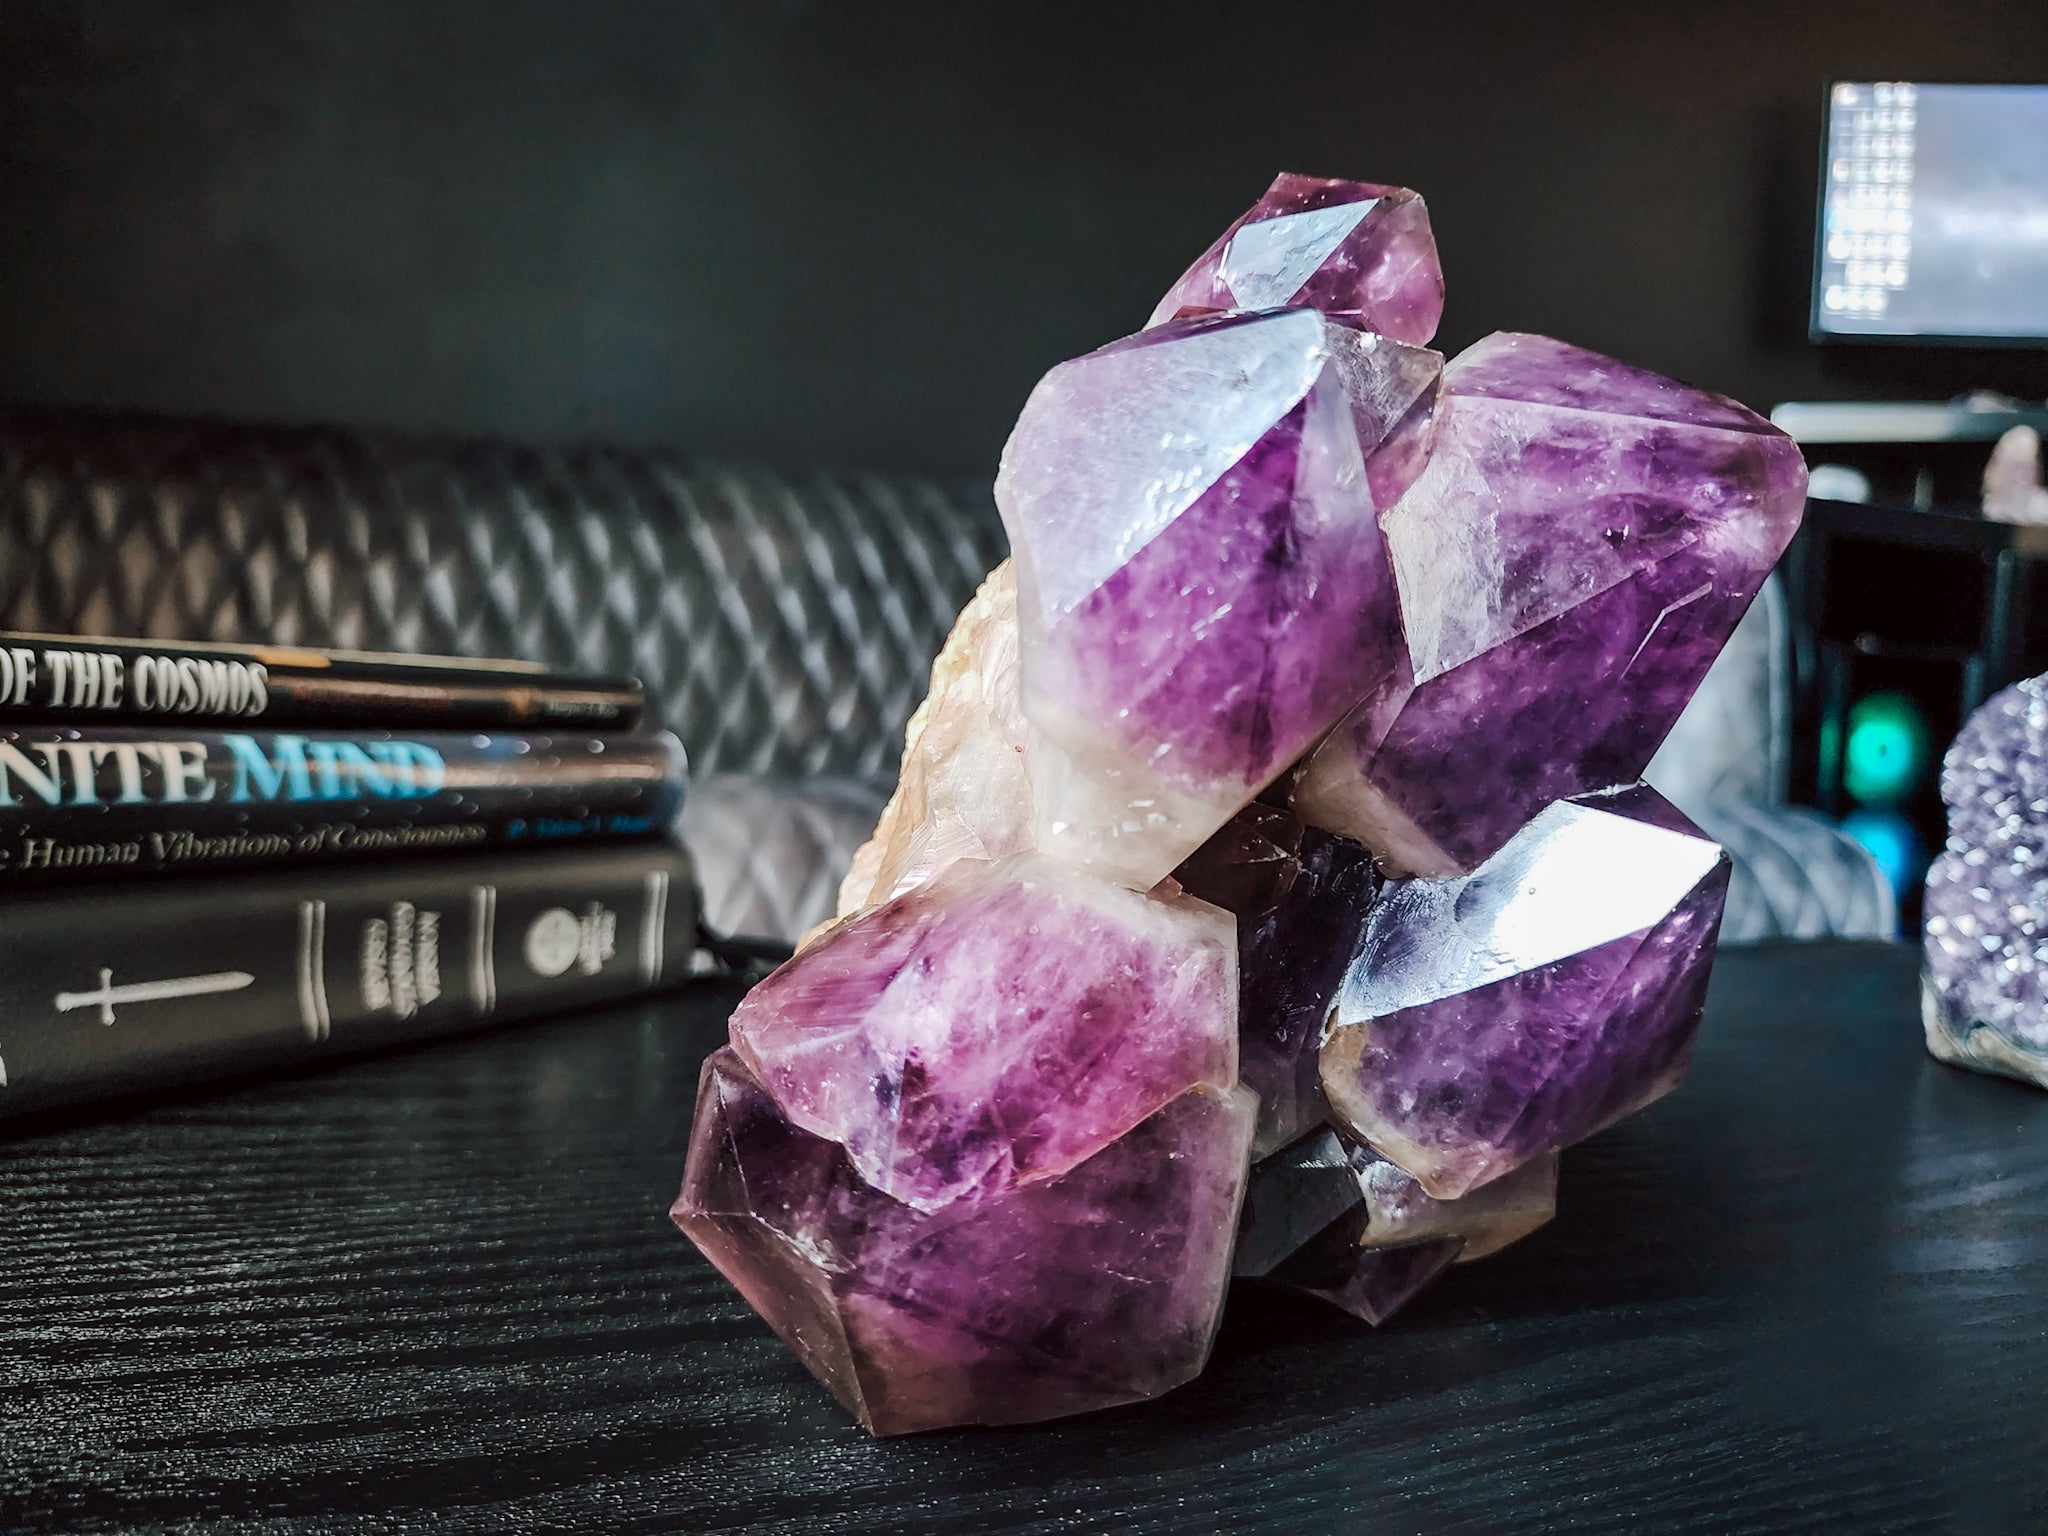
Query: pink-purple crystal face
{"x":1203,"y":588}
{"x":996,"y":1026}
{"x":1492,"y":1018}
{"x":1101,"y":1286}
{"x":1985,"y":995}
{"x":1577,"y":549}
{"x":1352,"y":250}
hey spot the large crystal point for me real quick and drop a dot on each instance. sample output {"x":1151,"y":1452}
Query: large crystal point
{"x":1984,"y":998}
{"x":1492,"y":1018}
{"x":1202,"y":586}
{"x":961,"y":792}
{"x":1264,"y":805}
{"x":1350,"y":249}
{"x":1300,"y":897}
{"x":1330,"y":1216}
{"x":996,"y":1026}
{"x":1579,"y":545}
{"x":1100,"y":1286}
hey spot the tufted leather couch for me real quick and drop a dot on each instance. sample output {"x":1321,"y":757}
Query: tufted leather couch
{"x":783,"y":624}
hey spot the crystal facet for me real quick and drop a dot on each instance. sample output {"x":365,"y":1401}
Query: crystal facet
{"x":1579,"y":546}
{"x":1355,"y":251}
{"x":996,"y":1026}
{"x":1300,"y":897}
{"x":1202,"y":585}
{"x":1491,"y":1018}
{"x":1100,"y":1286}
{"x":1984,"y":998}
{"x":1328,"y":1215}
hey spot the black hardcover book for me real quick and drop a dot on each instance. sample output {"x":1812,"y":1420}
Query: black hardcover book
{"x":113,"y":990}
{"x":176,"y":683}
{"x":112,"y":802}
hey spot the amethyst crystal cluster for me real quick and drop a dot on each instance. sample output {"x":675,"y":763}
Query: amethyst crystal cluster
{"x":1268,"y":889}
{"x":1984,"y":995}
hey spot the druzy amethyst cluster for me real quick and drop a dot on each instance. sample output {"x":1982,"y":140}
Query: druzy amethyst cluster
{"x":1268,"y":890}
{"x":1984,"y":994}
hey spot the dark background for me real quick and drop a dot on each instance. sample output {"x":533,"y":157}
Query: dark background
{"x":856,"y":233}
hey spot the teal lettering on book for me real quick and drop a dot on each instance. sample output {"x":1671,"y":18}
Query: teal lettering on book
{"x":298,"y":770}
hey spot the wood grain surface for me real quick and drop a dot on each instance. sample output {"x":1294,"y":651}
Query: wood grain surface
{"x":437,"y":1291}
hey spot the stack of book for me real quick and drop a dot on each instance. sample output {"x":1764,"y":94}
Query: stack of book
{"x":216,"y":859}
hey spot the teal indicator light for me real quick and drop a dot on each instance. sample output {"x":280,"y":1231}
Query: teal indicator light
{"x":1886,"y":749}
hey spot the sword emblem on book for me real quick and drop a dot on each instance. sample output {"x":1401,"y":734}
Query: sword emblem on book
{"x":108,"y":995}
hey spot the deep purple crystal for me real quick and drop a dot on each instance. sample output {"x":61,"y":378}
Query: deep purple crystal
{"x":1101,"y":1286}
{"x":1491,"y":1018}
{"x":1582,"y":542}
{"x":1330,"y":1216}
{"x":1300,"y":897}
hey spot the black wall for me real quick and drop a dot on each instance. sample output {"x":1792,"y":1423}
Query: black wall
{"x":858,"y":232}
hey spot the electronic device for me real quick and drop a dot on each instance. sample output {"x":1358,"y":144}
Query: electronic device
{"x":1933,"y":214}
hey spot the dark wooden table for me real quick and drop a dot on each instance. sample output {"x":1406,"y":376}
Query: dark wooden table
{"x":437,"y":1291}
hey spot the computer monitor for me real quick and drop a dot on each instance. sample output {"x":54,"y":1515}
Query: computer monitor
{"x":1934,"y":214}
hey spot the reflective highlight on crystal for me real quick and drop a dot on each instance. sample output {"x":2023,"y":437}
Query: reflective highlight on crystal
{"x":1202,"y":585}
{"x":1352,"y":250}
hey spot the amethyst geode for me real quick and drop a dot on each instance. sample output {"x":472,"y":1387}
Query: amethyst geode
{"x":1984,"y":996}
{"x":1268,"y":888}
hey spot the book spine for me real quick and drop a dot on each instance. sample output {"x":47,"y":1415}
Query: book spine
{"x":111,"y":802}
{"x":144,"y":683}
{"x":122,"y":990}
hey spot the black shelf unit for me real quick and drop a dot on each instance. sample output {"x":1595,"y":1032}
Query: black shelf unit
{"x":1935,"y":603}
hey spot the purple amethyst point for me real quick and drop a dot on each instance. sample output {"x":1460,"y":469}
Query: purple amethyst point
{"x":1101,"y":1286}
{"x":1580,"y":543}
{"x":1492,"y":1018}
{"x":1203,"y":588}
{"x":1355,"y":251}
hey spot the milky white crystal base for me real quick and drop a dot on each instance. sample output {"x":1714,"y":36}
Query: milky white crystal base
{"x":961,"y":792}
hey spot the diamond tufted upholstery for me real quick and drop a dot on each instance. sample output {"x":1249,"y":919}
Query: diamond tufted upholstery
{"x":784,"y":625}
